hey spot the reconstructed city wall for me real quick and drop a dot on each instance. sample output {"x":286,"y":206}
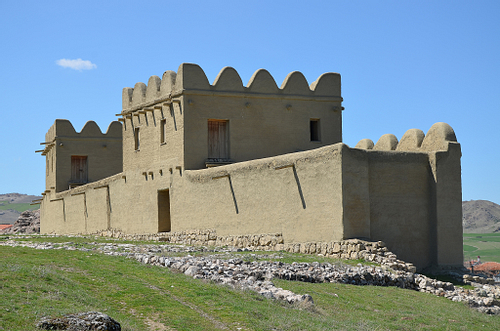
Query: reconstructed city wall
{"x":297,"y":194}
{"x":290,"y":172}
{"x":327,"y":194}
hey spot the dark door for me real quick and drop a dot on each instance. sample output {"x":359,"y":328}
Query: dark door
{"x":163,"y":211}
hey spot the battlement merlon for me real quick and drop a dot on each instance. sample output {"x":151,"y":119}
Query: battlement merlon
{"x":191,"y":78}
{"x":439,"y":138}
{"x":63,"y":128}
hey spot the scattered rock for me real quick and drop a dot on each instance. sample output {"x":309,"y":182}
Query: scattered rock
{"x":89,"y":321}
{"x":28,"y":222}
{"x":254,"y":273}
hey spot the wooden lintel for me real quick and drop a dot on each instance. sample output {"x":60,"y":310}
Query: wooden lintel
{"x":285,"y":166}
{"x":217,"y":177}
{"x":102,"y":186}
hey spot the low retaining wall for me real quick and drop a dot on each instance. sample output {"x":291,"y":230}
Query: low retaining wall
{"x":351,"y":249}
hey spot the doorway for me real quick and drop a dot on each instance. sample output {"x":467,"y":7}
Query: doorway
{"x":164,"y":210}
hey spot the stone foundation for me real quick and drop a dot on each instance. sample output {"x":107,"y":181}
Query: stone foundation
{"x":350,"y":249}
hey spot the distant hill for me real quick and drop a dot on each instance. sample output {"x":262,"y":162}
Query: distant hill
{"x":13,"y":204}
{"x":480,"y":216}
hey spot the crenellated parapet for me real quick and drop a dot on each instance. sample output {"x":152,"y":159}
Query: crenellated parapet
{"x":64,"y":129}
{"x":192,"y":78}
{"x":414,"y":140}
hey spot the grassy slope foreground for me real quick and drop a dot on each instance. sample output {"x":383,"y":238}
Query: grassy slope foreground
{"x":36,"y":283}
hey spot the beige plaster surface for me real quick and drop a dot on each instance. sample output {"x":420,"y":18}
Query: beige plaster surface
{"x":406,"y":193}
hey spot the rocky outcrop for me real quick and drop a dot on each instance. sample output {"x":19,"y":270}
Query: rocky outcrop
{"x":89,"y":321}
{"x":28,"y":222}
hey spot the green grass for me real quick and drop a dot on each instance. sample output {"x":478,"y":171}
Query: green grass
{"x":486,"y":245}
{"x":36,"y":283}
{"x":20,"y":207}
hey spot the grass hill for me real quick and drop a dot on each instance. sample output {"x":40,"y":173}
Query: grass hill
{"x":37,"y":283}
{"x":13,"y":204}
{"x":480,"y":216}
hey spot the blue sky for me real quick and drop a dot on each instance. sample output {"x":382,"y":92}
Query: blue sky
{"x":404,"y":64}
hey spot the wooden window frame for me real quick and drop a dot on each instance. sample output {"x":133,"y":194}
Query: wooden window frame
{"x":218,"y":140}
{"x":76,"y":177}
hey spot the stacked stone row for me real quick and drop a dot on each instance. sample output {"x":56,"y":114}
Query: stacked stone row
{"x":346,"y":249}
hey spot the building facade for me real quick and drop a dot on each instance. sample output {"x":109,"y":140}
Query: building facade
{"x":186,"y":154}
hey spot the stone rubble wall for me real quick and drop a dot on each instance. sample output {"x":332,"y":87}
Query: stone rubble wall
{"x":350,"y":249}
{"x":469,"y":279}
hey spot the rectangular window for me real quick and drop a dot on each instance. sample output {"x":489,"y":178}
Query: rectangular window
{"x":163,"y":132}
{"x":136,"y":139}
{"x":218,"y":139}
{"x":314,"y":128}
{"x":79,"y":169}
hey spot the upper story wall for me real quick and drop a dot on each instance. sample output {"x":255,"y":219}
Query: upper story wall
{"x":75,"y":158}
{"x":153,"y":137}
{"x":258,"y":120}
